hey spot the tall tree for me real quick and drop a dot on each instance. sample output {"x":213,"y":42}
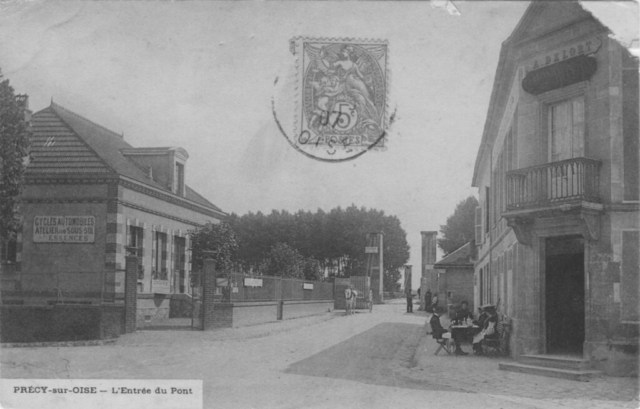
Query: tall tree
{"x":283,"y":261}
{"x":334,"y":239}
{"x":460,"y":227}
{"x":14,"y":148}
{"x":218,"y":238}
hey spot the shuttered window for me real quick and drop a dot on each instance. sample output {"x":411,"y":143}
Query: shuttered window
{"x":479,"y":228}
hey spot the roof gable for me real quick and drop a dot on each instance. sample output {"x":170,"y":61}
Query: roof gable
{"x":67,"y":143}
{"x":462,"y":256}
{"x":56,"y":149}
{"x":543,"y":17}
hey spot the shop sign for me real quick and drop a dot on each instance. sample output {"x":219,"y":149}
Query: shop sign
{"x":372,"y":250}
{"x":560,"y":75}
{"x":253,"y":282}
{"x":160,"y":286}
{"x":584,"y":47}
{"x":64,"y":229}
{"x":307,"y":286}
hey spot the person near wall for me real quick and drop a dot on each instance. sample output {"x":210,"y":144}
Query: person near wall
{"x":434,"y":302}
{"x":409,"y":301}
{"x":489,"y":330}
{"x":420,"y":299}
{"x":427,"y":301}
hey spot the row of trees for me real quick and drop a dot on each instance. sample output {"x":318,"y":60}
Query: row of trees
{"x":14,"y":147}
{"x":304,"y":244}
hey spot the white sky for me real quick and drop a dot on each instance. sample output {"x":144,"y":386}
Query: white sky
{"x":200,"y":75}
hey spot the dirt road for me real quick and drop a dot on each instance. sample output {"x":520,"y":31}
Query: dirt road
{"x":327,"y":361}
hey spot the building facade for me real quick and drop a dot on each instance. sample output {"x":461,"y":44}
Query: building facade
{"x":558,"y":225}
{"x":90,"y":199}
{"x":453,"y":277}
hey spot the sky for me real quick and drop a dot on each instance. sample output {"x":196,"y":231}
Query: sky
{"x":200,"y":75}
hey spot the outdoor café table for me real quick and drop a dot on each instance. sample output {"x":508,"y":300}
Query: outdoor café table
{"x":468,"y":331}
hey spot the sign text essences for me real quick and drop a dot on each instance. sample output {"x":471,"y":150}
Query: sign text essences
{"x":64,"y":229}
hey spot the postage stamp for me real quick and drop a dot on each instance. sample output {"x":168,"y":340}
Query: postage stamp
{"x":342,"y":88}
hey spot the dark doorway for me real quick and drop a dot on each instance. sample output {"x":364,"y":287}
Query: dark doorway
{"x":564,"y":294}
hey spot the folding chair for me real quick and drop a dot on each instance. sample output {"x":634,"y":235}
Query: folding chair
{"x":444,"y":343}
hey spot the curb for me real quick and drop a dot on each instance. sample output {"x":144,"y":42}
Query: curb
{"x":89,"y":343}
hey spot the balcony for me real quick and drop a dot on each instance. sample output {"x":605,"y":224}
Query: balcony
{"x":568,"y":187}
{"x":554,"y":183}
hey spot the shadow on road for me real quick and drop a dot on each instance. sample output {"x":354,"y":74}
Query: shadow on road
{"x":370,"y":357}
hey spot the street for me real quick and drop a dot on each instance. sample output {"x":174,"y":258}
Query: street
{"x":377,"y":360}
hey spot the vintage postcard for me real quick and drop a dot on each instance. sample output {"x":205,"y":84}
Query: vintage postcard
{"x":283,"y":204}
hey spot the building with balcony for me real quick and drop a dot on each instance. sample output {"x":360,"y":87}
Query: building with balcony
{"x":90,"y":198}
{"x":558,"y":225}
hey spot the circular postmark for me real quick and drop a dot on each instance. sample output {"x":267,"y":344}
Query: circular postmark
{"x":340,"y":98}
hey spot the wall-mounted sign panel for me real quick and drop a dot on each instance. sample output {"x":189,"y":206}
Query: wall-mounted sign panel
{"x":64,"y":229}
{"x":371,"y":250}
{"x":253,"y":282}
{"x":160,"y":286}
{"x":560,"y":75}
{"x":307,"y":286}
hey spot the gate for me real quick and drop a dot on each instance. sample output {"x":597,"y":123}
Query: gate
{"x":179,"y":309}
{"x":361,"y":284}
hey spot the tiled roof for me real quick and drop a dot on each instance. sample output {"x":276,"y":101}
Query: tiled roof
{"x":66,"y":143}
{"x":57,"y":149}
{"x":462,"y":256}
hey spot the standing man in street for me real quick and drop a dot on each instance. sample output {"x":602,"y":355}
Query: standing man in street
{"x":427,"y":300}
{"x":409,"y":301}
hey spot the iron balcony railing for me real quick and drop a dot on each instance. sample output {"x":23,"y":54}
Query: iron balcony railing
{"x":553,"y":183}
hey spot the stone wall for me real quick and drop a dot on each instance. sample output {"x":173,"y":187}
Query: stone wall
{"x":60,"y":323}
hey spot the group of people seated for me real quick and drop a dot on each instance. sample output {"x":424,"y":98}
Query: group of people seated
{"x":468,"y":328}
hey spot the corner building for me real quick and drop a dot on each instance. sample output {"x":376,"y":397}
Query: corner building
{"x":557,"y":171}
{"x":90,"y":199}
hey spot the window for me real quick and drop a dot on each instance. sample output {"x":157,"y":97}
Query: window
{"x":9,"y":251}
{"x":179,"y":179}
{"x":134,"y":247}
{"x":479,"y":229}
{"x":566,"y":129}
{"x":160,"y":257}
{"x":487,"y":205}
{"x":630,"y":128}
{"x":179,"y":258}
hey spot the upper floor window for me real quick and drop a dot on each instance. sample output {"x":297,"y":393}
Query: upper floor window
{"x":566,"y":129}
{"x":179,"y":179}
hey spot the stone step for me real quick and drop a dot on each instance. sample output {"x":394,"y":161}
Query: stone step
{"x":555,"y":361}
{"x":580,"y":375}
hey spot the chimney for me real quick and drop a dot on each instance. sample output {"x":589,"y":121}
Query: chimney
{"x":23,"y":102}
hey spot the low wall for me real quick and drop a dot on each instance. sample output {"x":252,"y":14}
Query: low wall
{"x":152,"y":309}
{"x":296,"y":309}
{"x":251,"y":313}
{"x":60,"y":323}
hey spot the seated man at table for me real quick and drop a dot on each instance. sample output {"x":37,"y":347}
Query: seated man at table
{"x":463,"y":314}
{"x":437,"y":331}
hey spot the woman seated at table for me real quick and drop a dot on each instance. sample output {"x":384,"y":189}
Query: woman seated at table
{"x":488,"y":328}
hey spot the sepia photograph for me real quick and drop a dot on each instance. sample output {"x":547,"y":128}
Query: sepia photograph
{"x":319,"y":204}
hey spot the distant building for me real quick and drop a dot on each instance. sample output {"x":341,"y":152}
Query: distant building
{"x":557,"y":172}
{"x":90,"y":198}
{"x":454,"y":277}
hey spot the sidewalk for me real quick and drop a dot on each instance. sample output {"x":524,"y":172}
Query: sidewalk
{"x":477,"y":374}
